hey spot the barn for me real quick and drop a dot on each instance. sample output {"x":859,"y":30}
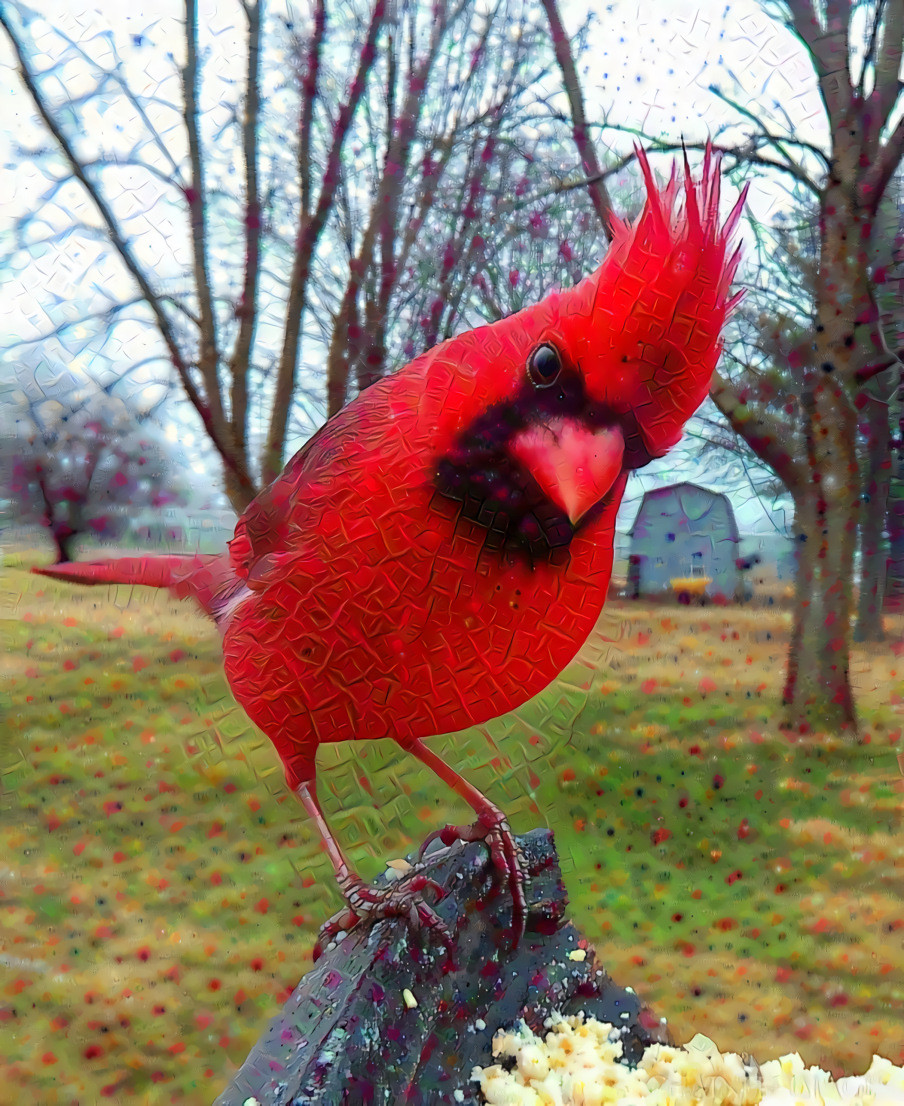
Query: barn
{"x":685,"y":532}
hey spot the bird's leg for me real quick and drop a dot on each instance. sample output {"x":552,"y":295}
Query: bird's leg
{"x":490,"y":827}
{"x":366,"y":902}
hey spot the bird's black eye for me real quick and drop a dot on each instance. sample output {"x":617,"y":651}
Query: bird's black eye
{"x":544,"y":366}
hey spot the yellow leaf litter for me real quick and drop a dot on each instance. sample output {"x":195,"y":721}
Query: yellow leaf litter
{"x":577,"y":1065}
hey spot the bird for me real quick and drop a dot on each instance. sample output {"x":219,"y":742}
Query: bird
{"x":437,"y":553}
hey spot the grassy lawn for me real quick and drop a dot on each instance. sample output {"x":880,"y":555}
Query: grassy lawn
{"x":161,"y":891}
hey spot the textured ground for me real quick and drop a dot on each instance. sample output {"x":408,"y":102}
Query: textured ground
{"x":160,"y":892}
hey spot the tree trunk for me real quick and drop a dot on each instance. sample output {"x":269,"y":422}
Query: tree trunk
{"x":818,"y":693}
{"x":804,"y":556}
{"x":239,"y":492}
{"x":876,"y":479}
{"x":63,"y":540}
{"x":894,"y":578}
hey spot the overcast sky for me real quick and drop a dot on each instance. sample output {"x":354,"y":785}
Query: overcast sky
{"x":651,"y":70}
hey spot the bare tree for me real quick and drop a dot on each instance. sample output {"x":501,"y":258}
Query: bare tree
{"x":79,"y":460}
{"x":846,"y":349}
{"x":810,"y":439}
{"x":596,"y":187}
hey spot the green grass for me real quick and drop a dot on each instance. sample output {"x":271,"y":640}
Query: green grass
{"x":161,"y":891}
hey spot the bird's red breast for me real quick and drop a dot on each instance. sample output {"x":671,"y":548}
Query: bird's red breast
{"x":439,"y":552}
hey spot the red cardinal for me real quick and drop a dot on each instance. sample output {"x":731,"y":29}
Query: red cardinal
{"x":441,"y":549}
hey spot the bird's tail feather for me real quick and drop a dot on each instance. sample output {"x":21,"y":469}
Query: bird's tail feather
{"x":209,"y":579}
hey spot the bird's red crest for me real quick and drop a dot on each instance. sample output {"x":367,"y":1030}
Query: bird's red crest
{"x":662,"y":298}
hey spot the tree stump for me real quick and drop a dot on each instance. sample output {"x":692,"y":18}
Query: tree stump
{"x":351,"y":1032}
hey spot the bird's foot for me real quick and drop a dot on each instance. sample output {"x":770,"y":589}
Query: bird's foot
{"x":494,"y":831}
{"x":368,"y":904}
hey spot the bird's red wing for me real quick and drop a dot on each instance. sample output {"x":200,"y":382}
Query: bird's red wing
{"x":288,"y":520}
{"x":270,"y":528}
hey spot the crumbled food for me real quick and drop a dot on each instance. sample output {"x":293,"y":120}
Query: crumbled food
{"x":577,"y":1064}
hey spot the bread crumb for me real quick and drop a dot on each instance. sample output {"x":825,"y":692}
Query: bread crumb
{"x":577,"y":1064}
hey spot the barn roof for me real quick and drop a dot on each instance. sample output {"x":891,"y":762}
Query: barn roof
{"x":680,"y":492}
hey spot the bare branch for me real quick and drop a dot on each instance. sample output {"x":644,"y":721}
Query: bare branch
{"x":869,"y":56}
{"x":206,"y":405}
{"x":99,"y":165}
{"x":433,"y":169}
{"x":309,"y":82}
{"x":308,"y":235}
{"x":116,"y":237}
{"x":876,"y":177}
{"x":747,"y":153}
{"x":389,"y":193}
{"x":829,"y":50}
{"x":116,"y":75}
{"x":888,"y":57}
{"x":195,"y":194}
{"x":766,"y":435}
{"x":778,"y":142}
{"x":246,"y":309}
{"x":596,"y":189}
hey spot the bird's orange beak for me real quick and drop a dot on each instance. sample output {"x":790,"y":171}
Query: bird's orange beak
{"x":573,"y":464}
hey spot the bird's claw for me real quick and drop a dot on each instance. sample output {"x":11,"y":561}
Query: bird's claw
{"x":371,"y":904}
{"x":493,"y":829}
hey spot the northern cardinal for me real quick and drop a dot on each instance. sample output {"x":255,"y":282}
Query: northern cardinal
{"x":438,"y":552}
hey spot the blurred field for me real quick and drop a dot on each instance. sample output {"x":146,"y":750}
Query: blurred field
{"x":161,"y":892}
